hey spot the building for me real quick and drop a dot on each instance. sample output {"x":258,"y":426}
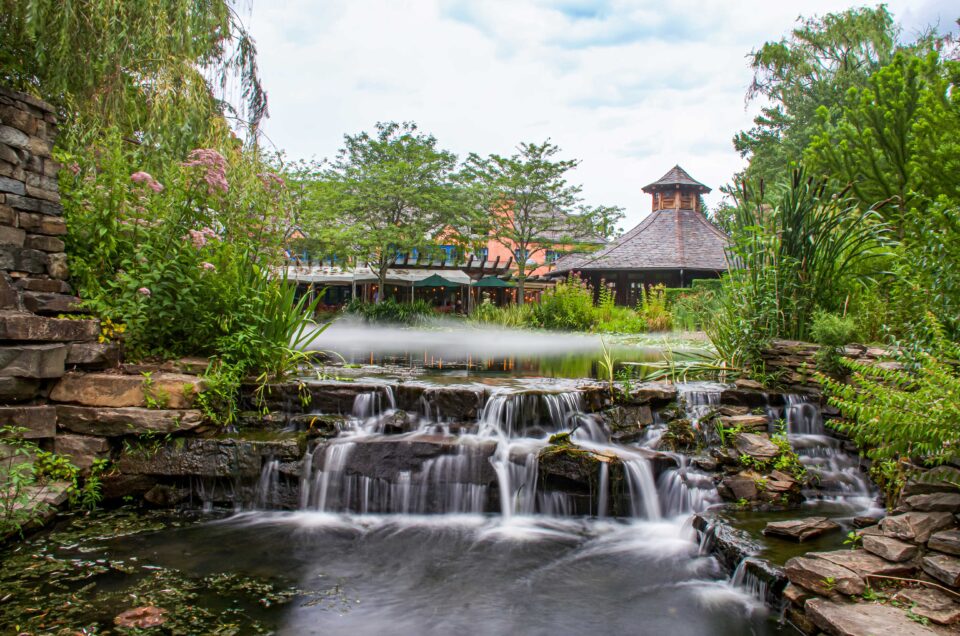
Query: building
{"x":673,"y":245}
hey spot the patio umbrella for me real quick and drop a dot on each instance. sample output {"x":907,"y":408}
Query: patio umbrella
{"x":492,"y":281}
{"x":435,"y":280}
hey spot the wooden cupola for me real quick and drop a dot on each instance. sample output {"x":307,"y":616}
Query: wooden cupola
{"x":676,"y":190}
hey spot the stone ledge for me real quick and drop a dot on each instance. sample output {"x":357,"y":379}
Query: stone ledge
{"x":36,"y":361}
{"x":29,"y":327}
{"x":40,"y":422}
{"x":118,"y":390}
{"x":116,"y":422}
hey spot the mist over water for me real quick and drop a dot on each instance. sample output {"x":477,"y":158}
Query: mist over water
{"x":456,"y":344}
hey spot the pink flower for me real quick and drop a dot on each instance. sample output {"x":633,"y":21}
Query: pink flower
{"x":210,"y":267}
{"x":144,"y":291}
{"x":214,"y":165}
{"x":146,"y":179}
{"x":197,"y":238}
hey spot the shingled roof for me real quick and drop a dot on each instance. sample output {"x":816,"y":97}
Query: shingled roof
{"x":667,"y":239}
{"x":676,"y":176}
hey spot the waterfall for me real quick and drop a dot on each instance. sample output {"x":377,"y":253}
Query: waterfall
{"x":644,"y":499}
{"x":604,"y":488}
{"x":268,"y":486}
{"x":746,"y":579}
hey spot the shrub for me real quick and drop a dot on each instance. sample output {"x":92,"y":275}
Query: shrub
{"x":566,"y":307}
{"x":895,"y":415}
{"x":832,"y":333}
{"x":653,"y":310}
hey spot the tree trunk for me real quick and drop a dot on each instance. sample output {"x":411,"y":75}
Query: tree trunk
{"x":521,"y":279}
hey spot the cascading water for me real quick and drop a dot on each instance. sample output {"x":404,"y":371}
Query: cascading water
{"x":836,"y":473}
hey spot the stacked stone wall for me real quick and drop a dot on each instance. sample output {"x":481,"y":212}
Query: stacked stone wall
{"x":793,"y":363}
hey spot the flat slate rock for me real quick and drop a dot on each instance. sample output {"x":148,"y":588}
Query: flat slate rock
{"x":947,"y":541}
{"x":935,"y":502}
{"x":863,"y":619}
{"x":931,"y":603}
{"x":915,"y":526}
{"x":889,"y":548}
{"x":864,"y":563}
{"x":800,"y":530}
{"x":942,"y":567}
{"x":172,"y":390}
{"x":814,"y":574}
{"x":756,"y":446}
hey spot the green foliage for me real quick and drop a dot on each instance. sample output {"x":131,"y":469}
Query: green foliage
{"x":693,"y":310}
{"x":793,"y":257}
{"x":509,"y":316}
{"x":528,"y":204}
{"x":386,"y":194}
{"x":902,"y":414}
{"x":25,"y":469}
{"x":390,"y":311}
{"x":160,"y":72}
{"x":821,"y":59}
{"x":566,"y":307}
{"x":853,"y":540}
{"x":832,"y":333}
{"x":652,"y":308}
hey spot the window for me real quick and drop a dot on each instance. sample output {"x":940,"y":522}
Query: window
{"x":551,"y":256}
{"x":519,"y":254}
{"x":483,"y":253}
{"x":449,"y":252}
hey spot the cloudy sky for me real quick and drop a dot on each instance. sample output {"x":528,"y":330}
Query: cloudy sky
{"x":629,"y":87}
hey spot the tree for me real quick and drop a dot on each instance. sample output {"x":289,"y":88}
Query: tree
{"x":813,"y":68}
{"x":162,"y":73}
{"x":896,"y":139}
{"x":387,"y":194}
{"x":531,"y":205}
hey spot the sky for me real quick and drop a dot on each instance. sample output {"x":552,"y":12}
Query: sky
{"x":630,"y":88}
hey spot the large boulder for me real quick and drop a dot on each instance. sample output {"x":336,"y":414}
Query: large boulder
{"x":166,"y":390}
{"x":915,"y":526}
{"x":800,"y":530}
{"x":939,"y":479}
{"x":823,"y":577}
{"x":116,"y":422}
{"x":863,"y":619}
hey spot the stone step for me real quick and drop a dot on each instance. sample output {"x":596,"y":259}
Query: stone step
{"x":865,"y":564}
{"x":931,"y":603}
{"x":746,"y":422}
{"x":116,"y":422}
{"x":168,"y":390}
{"x":935,"y":502}
{"x":233,"y":458}
{"x":889,"y":548}
{"x":82,"y":450}
{"x":863,"y":619}
{"x":823,"y":577}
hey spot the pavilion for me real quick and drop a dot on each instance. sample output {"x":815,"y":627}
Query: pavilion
{"x":673,"y":245}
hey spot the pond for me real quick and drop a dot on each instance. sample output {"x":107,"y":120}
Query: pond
{"x":457,"y":349}
{"x":315,"y":573}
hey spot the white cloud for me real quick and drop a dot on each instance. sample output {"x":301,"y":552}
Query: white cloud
{"x":629,"y":88}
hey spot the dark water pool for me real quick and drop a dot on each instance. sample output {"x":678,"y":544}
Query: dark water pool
{"x":309,"y":573}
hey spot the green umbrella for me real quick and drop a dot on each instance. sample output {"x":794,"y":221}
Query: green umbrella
{"x":435,"y":280}
{"x":492,"y":281}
